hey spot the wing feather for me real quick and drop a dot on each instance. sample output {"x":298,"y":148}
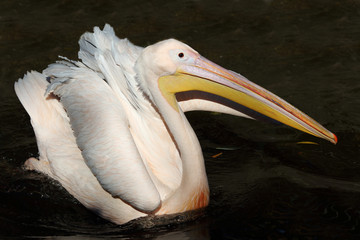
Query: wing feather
{"x":102,"y":133}
{"x":60,"y":157}
{"x":115,"y":58}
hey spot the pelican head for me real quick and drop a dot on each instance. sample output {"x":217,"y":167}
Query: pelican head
{"x":173,"y":67}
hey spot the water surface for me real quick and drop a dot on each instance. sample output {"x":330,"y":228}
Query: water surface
{"x":264,"y":184}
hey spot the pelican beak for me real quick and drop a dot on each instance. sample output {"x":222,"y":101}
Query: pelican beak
{"x":206,"y":76}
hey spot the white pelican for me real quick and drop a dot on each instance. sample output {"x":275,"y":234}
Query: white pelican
{"x":111,"y":128}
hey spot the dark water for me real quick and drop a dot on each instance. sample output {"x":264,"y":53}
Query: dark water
{"x":264,"y":185}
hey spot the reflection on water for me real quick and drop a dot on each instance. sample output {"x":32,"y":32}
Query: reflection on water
{"x":264,"y":183}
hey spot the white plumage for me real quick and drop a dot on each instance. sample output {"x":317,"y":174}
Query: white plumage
{"x":110,"y":130}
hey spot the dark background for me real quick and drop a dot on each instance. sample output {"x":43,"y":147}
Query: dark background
{"x":265,"y":184}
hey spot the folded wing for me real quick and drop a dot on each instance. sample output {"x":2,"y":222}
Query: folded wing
{"x":102,"y":133}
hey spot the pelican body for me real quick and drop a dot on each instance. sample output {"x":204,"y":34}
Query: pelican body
{"x":111,"y":127}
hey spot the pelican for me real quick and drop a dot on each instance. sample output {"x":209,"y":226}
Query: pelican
{"x":111,"y":127}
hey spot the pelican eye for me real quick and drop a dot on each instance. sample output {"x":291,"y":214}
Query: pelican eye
{"x":180,"y":56}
